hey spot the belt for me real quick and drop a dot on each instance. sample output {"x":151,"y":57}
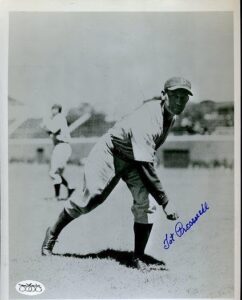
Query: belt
{"x":121,"y":155}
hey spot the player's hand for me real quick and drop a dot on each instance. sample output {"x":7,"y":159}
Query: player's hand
{"x":172,"y":217}
{"x":170,"y":211}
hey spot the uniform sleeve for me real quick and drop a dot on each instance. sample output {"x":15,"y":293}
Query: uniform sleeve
{"x":152,"y":182}
{"x":143,"y":136}
{"x":143,"y":145}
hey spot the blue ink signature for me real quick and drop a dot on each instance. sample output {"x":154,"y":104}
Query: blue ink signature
{"x":180,"y":229}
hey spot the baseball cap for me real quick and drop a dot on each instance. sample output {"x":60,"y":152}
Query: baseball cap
{"x":175,"y":83}
{"x":57,"y":106}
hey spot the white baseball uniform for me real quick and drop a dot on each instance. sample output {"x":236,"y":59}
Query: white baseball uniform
{"x":127,"y":152}
{"x":62,"y":149}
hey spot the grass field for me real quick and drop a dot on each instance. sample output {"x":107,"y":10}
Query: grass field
{"x":200,"y":264}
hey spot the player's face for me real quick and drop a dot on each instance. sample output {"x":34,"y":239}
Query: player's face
{"x":54,"y":111}
{"x":177,"y":100}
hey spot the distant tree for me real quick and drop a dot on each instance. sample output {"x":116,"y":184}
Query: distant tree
{"x":96,"y":125}
{"x":76,"y":112}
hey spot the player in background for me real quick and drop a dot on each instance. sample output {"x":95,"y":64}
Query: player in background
{"x":56,"y":126}
{"x":127,"y":152}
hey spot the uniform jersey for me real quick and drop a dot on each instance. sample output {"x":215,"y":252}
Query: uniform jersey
{"x":127,"y":152}
{"x":59,"y":128}
{"x":138,"y":135}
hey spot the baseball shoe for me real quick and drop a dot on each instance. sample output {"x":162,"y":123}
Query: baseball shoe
{"x":138,"y":263}
{"x":154,"y":264}
{"x":48,"y":244}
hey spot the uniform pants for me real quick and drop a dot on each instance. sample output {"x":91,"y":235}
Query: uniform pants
{"x":59,"y":158}
{"x":102,"y":172}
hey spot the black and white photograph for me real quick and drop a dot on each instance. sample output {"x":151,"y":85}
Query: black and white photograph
{"x":121,"y":154}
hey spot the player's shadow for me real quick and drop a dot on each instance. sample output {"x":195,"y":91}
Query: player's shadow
{"x":122,"y":257}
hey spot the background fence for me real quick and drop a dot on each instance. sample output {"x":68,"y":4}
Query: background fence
{"x":177,"y":151}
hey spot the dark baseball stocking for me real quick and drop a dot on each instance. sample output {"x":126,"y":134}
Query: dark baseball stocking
{"x":63,"y":220}
{"x":141,"y":236}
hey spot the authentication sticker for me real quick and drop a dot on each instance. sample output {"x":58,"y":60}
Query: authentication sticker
{"x":30,"y":287}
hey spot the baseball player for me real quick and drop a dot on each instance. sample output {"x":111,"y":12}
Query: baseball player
{"x":127,"y":152}
{"x":57,"y":128}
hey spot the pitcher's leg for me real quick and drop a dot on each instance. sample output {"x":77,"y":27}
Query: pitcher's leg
{"x":144,"y":205}
{"x":89,"y":200}
{"x":100,"y":179}
{"x":143,"y":210}
{"x":141,"y":237}
{"x":74,"y":211}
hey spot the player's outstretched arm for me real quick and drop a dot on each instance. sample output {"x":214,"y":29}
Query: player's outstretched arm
{"x":152,"y":183}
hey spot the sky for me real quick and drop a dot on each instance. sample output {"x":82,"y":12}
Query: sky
{"x":116,"y":60}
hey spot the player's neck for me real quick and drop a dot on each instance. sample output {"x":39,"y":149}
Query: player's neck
{"x":168,"y":112}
